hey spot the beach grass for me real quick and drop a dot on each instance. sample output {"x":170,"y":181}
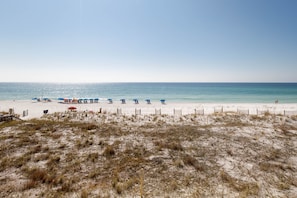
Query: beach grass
{"x":197,"y":156}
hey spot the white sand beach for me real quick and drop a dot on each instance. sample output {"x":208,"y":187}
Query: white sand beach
{"x":35,"y":109}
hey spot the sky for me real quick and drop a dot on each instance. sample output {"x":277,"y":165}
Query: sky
{"x":148,"y":41}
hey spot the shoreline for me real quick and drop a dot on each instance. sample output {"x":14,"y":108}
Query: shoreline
{"x":35,"y":109}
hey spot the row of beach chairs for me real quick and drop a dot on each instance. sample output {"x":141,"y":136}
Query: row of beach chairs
{"x":136,"y":101}
{"x":81,"y":101}
{"x":109,"y":100}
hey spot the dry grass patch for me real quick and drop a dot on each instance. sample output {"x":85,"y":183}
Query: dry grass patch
{"x":38,"y":175}
{"x":9,"y":124}
{"x":6,"y":162}
{"x":93,"y":157}
{"x":289,"y":129}
{"x":169,"y":145}
{"x":191,"y":161}
{"x":123,"y":184}
{"x":245,"y":188}
{"x":109,"y":151}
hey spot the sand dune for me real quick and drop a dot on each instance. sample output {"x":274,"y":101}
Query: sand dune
{"x":86,"y":154}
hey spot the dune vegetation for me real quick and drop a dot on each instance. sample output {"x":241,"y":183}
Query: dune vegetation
{"x":219,"y":155}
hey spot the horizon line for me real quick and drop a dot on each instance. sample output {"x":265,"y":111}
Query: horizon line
{"x":62,"y":82}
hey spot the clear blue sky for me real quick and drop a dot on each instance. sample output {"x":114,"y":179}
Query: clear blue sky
{"x":148,"y":40}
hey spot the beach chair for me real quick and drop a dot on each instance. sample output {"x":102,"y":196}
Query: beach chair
{"x":162,"y":101}
{"x":136,"y":101}
{"x":109,"y":100}
{"x":46,"y":100}
{"x":123,"y":101}
{"x":96,"y":100}
{"x":74,"y":101}
{"x":148,"y":101}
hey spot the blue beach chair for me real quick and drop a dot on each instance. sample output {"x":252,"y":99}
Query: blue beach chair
{"x":136,"y":101}
{"x":123,"y":101}
{"x":162,"y":101}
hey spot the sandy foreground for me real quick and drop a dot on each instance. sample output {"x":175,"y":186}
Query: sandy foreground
{"x":92,"y":154}
{"x":35,"y":109}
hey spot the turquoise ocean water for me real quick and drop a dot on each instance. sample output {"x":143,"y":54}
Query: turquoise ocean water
{"x":175,"y":92}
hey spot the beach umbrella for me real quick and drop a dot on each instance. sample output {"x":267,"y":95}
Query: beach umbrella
{"x":34,"y":98}
{"x":60,"y":98}
{"x":72,"y":108}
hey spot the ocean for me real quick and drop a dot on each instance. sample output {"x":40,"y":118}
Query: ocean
{"x":171,"y":92}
